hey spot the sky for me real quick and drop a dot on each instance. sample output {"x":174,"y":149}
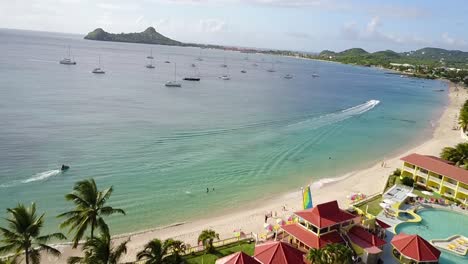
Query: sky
{"x":302,"y":25}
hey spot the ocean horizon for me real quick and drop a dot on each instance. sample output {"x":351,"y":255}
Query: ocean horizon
{"x":245,"y":140}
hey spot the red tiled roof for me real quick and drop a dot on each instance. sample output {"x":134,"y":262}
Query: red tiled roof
{"x":278,"y":253}
{"x":324,"y":215}
{"x":415,"y":247}
{"x":436,"y":165}
{"x":382,"y":224}
{"x":310,"y":239}
{"x":237,"y":258}
{"x":365,"y":240}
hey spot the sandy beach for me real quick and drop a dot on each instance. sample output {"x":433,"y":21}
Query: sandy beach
{"x":368,"y":181}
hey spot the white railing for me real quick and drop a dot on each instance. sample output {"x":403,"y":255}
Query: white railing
{"x":451,"y":185}
{"x":463,"y":190}
{"x":422,"y":174}
{"x":434,"y":179}
{"x":408,"y":169}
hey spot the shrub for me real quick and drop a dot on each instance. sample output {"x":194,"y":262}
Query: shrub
{"x":408,"y":181}
{"x":397,"y":172}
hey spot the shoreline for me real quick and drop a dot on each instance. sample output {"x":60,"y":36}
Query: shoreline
{"x":251,"y":218}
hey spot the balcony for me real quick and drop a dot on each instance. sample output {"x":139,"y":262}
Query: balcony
{"x":406,"y":168}
{"x":434,"y":179}
{"x":422,"y":174}
{"x":450,"y":185}
{"x":463,"y":190}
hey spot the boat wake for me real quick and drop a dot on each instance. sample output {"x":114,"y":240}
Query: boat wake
{"x":42,"y":176}
{"x":36,"y":177}
{"x":335,"y":117}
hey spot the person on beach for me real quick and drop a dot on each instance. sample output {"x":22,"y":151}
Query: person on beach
{"x":207,"y":190}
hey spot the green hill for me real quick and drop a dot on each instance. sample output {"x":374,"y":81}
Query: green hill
{"x":149,"y":36}
{"x":425,"y":56}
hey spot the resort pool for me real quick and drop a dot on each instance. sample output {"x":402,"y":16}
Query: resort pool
{"x":438,"y":224}
{"x":403,"y":216}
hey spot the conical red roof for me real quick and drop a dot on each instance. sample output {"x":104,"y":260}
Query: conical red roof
{"x":415,"y":247}
{"x":278,"y":253}
{"x":237,"y":258}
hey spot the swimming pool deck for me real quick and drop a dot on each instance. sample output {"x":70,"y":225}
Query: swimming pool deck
{"x":456,"y":244}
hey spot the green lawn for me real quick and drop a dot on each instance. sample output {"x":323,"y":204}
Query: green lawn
{"x":196,"y":258}
{"x":374,"y":207}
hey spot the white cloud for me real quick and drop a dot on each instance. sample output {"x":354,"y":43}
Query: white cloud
{"x":447,"y":39}
{"x":373,"y":32}
{"x":211,"y":25}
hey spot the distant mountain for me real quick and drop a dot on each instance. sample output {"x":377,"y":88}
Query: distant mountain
{"x":149,"y":36}
{"x":425,"y":56}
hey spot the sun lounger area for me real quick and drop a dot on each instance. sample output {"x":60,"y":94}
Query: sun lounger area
{"x":457,"y":244}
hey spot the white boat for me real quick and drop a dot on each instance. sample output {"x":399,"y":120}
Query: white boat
{"x":174,"y":83}
{"x":315,"y":75}
{"x":151,"y":55}
{"x":225,"y":77}
{"x":288,"y":76}
{"x":67,"y":60}
{"x":98,"y":70}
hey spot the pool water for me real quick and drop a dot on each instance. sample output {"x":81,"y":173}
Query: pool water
{"x":437,"y":224}
{"x":403,"y":216}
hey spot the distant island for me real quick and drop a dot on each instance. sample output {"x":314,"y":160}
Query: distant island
{"x":149,"y":36}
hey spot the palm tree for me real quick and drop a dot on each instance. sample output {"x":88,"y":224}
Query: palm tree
{"x":99,"y":250}
{"x":207,"y":237}
{"x":11,"y":260}
{"x":457,"y":154}
{"x":338,"y":254}
{"x":23,"y":234}
{"x":89,"y":209}
{"x":158,"y":252}
{"x":331,"y":254}
{"x":315,"y":256}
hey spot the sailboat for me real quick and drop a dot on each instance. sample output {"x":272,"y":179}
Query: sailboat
{"x":150,"y":65}
{"x":167,"y":61}
{"x":151,"y":55}
{"x":272,"y":69}
{"x":224,"y":65}
{"x":98,"y":70}
{"x":225,"y":76}
{"x":243,"y":69}
{"x":199,"y":57}
{"x":194,"y":77}
{"x":67,"y":60}
{"x":174,"y":83}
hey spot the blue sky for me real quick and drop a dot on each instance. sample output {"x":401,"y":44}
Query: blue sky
{"x":307,"y":25}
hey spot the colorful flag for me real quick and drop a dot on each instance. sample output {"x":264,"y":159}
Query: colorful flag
{"x":306,"y":197}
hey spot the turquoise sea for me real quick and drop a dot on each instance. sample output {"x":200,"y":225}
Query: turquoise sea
{"x":251,"y":138}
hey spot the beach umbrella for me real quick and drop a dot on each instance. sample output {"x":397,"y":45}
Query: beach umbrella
{"x":280,"y":221}
{"x":268,"y":227}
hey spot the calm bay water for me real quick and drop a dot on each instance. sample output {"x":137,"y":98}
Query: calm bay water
{"x":250,"y":138}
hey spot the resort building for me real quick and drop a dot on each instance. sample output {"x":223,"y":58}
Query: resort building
{"x":278,"y":253}
{"x":437,"y":175}
{"x":414,"y":249}
{"x":326,"y":224}
{"x":237,"y":258}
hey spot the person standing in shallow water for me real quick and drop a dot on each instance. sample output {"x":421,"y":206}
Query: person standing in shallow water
{"x":207,"y":190}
